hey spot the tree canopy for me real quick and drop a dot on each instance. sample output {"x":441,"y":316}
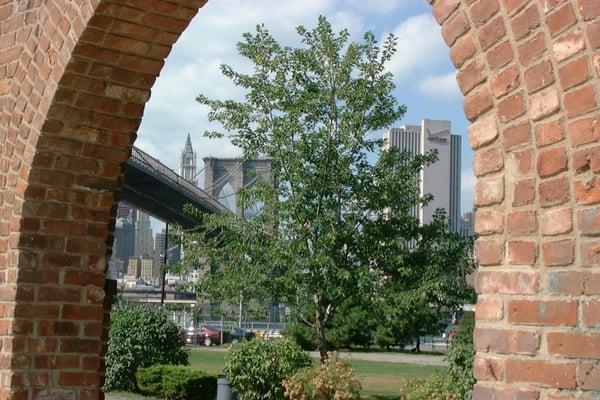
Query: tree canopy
{"x":332,"y":225}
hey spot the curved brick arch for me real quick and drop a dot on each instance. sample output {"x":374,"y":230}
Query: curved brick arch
{"x":74,"y":77}
{"x":530,"y":73}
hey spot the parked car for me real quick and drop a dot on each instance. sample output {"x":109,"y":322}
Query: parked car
{"x":204,"y":335}
{"x":239,"y":334}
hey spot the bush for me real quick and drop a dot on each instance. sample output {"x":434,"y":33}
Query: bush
{"x":172,"y":382}
{"x":256,"y":369}
{"x":460,"y":357}
{"x":140,"y":337}
{"x":333,"y":380}
{"x":175,"y":382}
{"x":434,"y":387}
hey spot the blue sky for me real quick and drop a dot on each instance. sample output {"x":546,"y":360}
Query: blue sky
{"x":424,"y":75}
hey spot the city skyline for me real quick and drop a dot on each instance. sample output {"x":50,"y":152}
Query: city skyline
{"x":424,"y":75}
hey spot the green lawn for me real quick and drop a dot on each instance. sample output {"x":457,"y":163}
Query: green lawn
{"x":380,"y":380}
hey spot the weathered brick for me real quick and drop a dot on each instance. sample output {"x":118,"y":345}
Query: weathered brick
{"x":568,"y":45}
{"x":556,"y":375}
{"x":551,"y":162}
{"x":487,"y":161}
{"x":539,"y":76}
{"x":489,"y":252}
{"x":573,"y":345}
{"x":489,"y":309}
{"x":505,"y":341}
{"x":549,"y":133}
{"x":580,"y":101}
{"x":545,"y":313}
{"x":558,"y":253}
{"x":584,"y":131}
{"x":556,"y":222}
{"x":505,"y":81}
{"x":483,"y":132}
{"x":524,"y":192}
{"x":525,"y":22}
{"x":544,"y":103}
{"x":521,"y":252}
{"x":521,"y":222}
{"x":507,"y":282}
{"x":489,"y":191}
{"x":511,"y":107}
{"x":553,"y":191}
{"x":561,"y":19}
{"x":489,"y":221}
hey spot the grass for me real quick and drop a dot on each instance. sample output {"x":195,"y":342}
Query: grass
{"x":380,"y":380}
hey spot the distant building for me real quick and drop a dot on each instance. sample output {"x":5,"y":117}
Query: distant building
{"x":124,"y":244}
{"x":144,"y":241}
{"x":467,"y":227}
{"x":149,"y":271}
{"x":441,"y":179}
{"x":173,"y":255}
{"x":187,"y":162}
{"x":134,"y":268}
{"x":126,"y":210}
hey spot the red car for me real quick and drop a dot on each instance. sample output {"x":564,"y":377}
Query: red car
{"x":203,"y":335}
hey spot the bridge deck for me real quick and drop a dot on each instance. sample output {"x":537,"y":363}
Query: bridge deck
{"x":153,"y":187}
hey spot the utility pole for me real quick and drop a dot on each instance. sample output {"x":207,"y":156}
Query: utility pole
{"x":164,"y":269}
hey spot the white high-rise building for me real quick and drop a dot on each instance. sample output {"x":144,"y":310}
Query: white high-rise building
{"x":441,"y":179}
{"x":187,"y":163}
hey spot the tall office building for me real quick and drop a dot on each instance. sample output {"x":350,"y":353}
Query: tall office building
{"x":174,"y":254}
{"x":124,"y":244}
{"x":468,"y":224}
{"x":187,"y":163}
{"x":441,"y":179}
{"x":144,"y":241}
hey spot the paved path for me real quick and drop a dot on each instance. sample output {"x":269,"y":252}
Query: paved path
{"x":408,"y":358}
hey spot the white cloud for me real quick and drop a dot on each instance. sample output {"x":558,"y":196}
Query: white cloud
{"x":441,"y":86}
{"x":420,"y":47}
{"x":467,"y":185}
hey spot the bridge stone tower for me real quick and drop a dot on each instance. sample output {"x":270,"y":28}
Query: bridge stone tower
{"x":225,"y":177}
{"x":187,"y":163}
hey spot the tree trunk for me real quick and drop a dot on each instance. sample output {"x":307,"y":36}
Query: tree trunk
{"x":322,"y":341}
{"x":418,"y":347}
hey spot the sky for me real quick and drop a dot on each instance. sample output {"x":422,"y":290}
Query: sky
{"x":424,"y":76}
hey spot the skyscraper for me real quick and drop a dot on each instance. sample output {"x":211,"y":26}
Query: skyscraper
{"x":144,"y":241}
{"x":441,"y":179}
{"x":187,"y":163}
{"x":124,"y":244}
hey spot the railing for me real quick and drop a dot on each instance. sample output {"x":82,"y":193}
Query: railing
{"x":154,"y":167}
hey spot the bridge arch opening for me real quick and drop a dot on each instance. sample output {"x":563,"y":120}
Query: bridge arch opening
{"x":74,"y":79}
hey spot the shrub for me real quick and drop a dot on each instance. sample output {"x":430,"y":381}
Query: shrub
{"x":173,"y":382}
{"x":434,"y":387}
{"x":140,"y":337}
{"x":256,"y":369}
{"x":333,"y":380}
{"x":460,"y":357}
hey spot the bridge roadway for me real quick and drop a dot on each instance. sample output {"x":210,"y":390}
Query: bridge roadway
{"x":155,"y":188}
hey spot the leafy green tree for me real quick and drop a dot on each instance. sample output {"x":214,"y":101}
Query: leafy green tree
{"x":140,"y":337}
{"x":329,"y":219}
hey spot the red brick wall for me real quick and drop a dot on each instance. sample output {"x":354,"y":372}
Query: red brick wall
{"x":74,"y":78}
{"x":530,"y":72}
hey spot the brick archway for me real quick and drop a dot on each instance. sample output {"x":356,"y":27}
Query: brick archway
{"x":74,"y":78}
